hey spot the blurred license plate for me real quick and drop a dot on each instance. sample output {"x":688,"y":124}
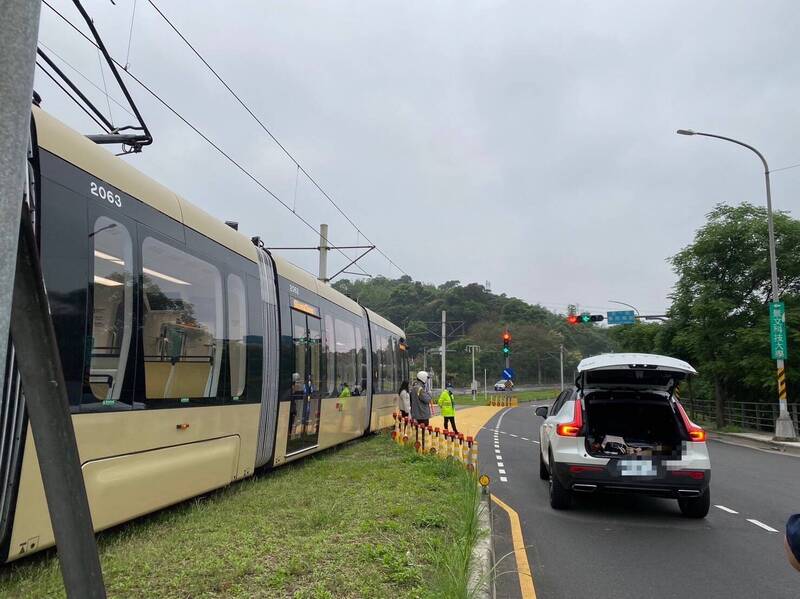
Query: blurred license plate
{"x":637,"y":468}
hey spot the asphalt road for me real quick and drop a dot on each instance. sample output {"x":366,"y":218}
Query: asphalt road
{"x":633,"y":547}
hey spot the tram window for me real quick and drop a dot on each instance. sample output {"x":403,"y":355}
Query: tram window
{"x":182,"y":333}
{"x":385,"y":383}
{"x":390,"y":381}
{"x":112,"y":312}
{"x":361,"y":361}
{"x":330,"y":353}
{"x":345,"y":355}
{"x":237,"y":329}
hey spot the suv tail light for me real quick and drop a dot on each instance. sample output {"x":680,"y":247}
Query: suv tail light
{"x":574,"y":426}
{"x":695,"y":474}
{"x":696,"y":433}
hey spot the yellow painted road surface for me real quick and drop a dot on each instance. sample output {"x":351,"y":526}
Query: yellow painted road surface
{"x":469,"y":420}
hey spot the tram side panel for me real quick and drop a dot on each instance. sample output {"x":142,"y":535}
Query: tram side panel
{"x":389,"y":369}
{"x":323,"y":346}
{"x":164,"y":385}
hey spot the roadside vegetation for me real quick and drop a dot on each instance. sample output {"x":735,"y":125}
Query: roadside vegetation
{"x":367,"y":520}
{"x":522,"y":396}
{"x":718,"y":319}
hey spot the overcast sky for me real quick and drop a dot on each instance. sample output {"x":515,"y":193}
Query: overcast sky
{"x":530,"y":144}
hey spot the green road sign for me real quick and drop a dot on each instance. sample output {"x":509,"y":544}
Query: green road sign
{"x":777,"y":331}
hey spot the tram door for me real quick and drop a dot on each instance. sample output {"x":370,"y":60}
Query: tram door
{"x":304,"y":411}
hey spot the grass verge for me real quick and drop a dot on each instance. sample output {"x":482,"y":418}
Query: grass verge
{"x":367,"y":520}
{"x":522,"y":396}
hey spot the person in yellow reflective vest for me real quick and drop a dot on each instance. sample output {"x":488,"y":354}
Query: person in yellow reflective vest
{"x":448,"y":407}
{"x":343,"y":396}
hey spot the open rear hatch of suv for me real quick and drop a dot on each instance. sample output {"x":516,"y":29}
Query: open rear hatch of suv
{"x":629,"y":410}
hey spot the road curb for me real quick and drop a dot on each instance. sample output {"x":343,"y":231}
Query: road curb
{"x":481,"y":580}
{"x":753,"y":443}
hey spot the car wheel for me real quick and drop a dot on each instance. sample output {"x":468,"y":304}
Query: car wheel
{"x":696,"y":507}
{"x":544,"y":474}
{"x":560,"y":497}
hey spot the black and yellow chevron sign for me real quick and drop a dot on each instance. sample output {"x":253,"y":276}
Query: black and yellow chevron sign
{"x":782,"y":384}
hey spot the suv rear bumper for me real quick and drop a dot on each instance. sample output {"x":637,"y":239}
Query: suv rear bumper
{"x":604,"y":480}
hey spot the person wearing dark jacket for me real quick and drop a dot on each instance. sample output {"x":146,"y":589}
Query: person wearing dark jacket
{"x":792,"y":541}
{"x":421,"y":399}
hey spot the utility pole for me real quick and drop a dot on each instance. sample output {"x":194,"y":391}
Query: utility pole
{"x":323,"y":253}
{"x":561,"y":361}
{"x":784,"y":427}
{"x":17,"y":59}
{"x":444,"y":349}
{"x":473,"y":384}
{"x":22,"y":294}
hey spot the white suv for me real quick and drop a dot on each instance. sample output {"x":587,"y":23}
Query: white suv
{"x":621,"y":429}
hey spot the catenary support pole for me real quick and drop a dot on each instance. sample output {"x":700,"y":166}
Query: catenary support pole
{"x":37,"y":356}
{"x":323,"y":253}
{"x":18,"y":37}
{"x":561,"y":362}
{"x":444,"y":349}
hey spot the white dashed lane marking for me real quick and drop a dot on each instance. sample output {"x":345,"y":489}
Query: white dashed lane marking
{"x":498,"y":431}
{"x":501,"y":471}
{"x":750,"y":520}
{"x":500,"y":465}
{"x":503,"y":479}
{"x":726,"y":509}
{"x":762,"y":525}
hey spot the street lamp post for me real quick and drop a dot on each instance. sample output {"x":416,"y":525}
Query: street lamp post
{"x":624,"y":304}
{"x":784,"y":427}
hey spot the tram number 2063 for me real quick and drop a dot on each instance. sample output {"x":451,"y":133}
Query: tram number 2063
{"x":105,"y":194}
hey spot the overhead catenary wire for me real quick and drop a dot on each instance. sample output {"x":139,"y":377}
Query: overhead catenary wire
{"x":130,"y":38}
{"x":70,"y":96}
{"x":202,"y":135}
{"x":271,"y":135}
{"x":85,"y":78}
{"x":784,"y":168}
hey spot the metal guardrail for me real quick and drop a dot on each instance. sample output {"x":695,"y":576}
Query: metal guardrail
{"x":748,"y":415}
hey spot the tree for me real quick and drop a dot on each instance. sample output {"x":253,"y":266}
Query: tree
{"x":537,"y":332}
{"x":719,"y":310}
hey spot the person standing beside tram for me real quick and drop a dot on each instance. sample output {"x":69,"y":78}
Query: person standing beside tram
{"x":405,"y":399}
{"x":421,"y":399}
{"x":446,"y":403}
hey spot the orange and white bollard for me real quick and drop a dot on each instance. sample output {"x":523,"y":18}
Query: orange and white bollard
{"x":462,"y":449}
{"x":472,"y":465}
{"x":404,"y":438}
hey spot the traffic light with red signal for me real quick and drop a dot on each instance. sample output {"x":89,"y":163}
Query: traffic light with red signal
{"x":585,"y":318}
{"x":506,"y":343}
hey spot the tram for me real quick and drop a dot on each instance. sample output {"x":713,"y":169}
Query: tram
{"x":192,"y":356}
